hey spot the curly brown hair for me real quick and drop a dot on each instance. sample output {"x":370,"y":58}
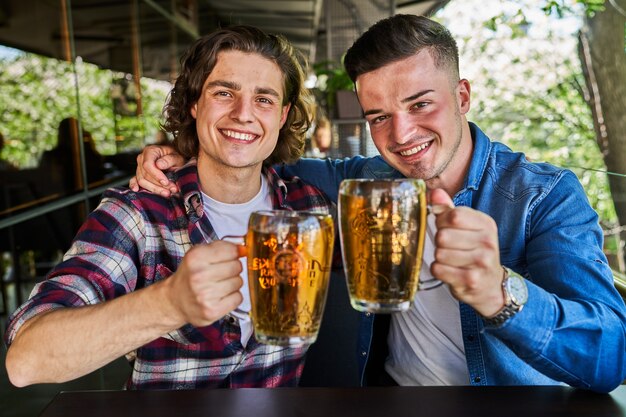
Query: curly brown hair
{"x":198,"y":62}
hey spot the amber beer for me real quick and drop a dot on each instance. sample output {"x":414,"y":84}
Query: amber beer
{"x":382,"y":228}
{"x":289,"y":262}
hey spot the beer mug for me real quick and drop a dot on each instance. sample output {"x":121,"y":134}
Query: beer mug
{"x":289,"y":262}
{"x":382,"y":226}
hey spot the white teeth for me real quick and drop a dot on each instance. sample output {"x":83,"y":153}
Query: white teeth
{"x":238,"y":135}
{"x":414,"y":150}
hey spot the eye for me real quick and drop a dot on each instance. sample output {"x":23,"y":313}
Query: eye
{"x":222,"y":93}
{"x":378,"y":119}
{"x":420,"y":105}
{"x":265,"y":100}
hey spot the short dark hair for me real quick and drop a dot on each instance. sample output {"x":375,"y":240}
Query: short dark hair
{"x":399,"y":37}
{"x":198,"y":62}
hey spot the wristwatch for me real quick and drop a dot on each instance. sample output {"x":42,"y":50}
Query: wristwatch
{"x":515,"y":296}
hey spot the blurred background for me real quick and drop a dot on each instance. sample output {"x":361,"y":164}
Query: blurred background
{"x":83,"y":82}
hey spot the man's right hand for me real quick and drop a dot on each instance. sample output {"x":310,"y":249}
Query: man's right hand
{"x":206,"y":286}
{"x":151,"y":164}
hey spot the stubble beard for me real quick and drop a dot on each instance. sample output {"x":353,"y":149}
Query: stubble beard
{"x":420,"y":171}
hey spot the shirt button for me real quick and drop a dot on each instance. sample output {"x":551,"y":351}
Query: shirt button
{"x":363,"y":353}
{"x":368,"y":314}
{"x":477,"y":379}
{"x":470,"y":337}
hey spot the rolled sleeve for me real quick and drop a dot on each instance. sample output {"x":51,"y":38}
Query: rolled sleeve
{"x":52,"y":294}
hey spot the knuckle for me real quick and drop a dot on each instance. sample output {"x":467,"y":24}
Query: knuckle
{"x":238,"y":268}
{"x":472,"y":279}
{"x":482,"y":262}
{"x":440,"y":237}
{"x":198,"y":299}
{"x":239,"y":282}
{"x":234,"y":301}
{"x":192,"y":253}
{"x":490,"y":225}
{"x":224,"y":249}
{"x":210,"y":312}
{"x":435,"y":269}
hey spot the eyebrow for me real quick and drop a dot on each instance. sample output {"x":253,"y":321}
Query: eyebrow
{"x":236,"y":86}
{"x":267,"y":90}
{"x":226,"y":84}
{"x":404,"y":100}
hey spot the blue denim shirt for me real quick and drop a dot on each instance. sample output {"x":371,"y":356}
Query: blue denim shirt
{"x":572,"y":329}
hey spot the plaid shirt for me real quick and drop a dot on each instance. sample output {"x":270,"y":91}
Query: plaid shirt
{"x":133,"y":240}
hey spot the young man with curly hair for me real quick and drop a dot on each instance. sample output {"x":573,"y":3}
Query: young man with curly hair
{"x":148,"y":274}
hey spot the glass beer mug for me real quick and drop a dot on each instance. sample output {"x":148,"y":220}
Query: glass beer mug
{"x":382,"y":226}
{"x":289,"y":262}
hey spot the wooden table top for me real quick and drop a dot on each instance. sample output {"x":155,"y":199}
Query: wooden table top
{"x":344,"y":402}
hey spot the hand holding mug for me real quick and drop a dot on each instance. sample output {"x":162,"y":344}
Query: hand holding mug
{"x":467,"y":254}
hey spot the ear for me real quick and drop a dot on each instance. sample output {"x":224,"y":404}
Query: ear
{"x":285,"y":113}
{"x":194,"y":110}
{"x":463,"y":90}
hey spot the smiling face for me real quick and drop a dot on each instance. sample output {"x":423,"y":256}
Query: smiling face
{"x":416,"y":114}
{"x":240,"y":112}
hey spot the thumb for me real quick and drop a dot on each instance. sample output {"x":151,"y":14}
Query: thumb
{"x":440,"y":201}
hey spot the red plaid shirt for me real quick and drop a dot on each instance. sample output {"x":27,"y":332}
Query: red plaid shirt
{"x":133,"y":240}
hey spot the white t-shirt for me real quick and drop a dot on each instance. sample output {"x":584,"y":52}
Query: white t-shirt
{"x":232,"y":219}
{"x":425,"y":342}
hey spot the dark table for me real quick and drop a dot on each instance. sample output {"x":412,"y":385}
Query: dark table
{"x":344,"y":402}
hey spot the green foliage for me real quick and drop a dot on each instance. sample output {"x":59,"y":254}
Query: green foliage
{"x":331,"y":77}
{"x":528,"y":90}
{"x":564,"y":7}
{"x":561,"y":8}
{"x":37,"y":92}
{"x":517,"y":23}
{"x":556,"y":127}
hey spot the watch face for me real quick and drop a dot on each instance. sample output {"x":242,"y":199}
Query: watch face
{"x":516,"y":287}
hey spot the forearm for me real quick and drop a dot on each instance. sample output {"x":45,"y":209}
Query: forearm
{"x":67,"y":343}
{"x":573,"y":327}
{"x":581,"y":343}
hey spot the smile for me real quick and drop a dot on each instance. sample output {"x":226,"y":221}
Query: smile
{"x":415,"y":150}
{"x":248,"y":137}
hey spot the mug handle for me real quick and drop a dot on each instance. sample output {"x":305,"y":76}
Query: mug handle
{"x":431,"y":284}
{"x":239,"y":240}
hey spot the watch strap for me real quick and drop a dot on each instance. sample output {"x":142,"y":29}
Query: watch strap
{"x":510,"y":308}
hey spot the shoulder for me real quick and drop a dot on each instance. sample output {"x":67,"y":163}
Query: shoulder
{"x":513,"y":175}
{"x":501,"y":176}
{"x":497,"y":168}
{"x":124,"y":204}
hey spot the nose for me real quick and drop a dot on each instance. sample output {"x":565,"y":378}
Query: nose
{"x":242,"y":110}
{"x":403,"y":128}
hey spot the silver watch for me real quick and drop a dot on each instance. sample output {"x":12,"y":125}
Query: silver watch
{"x":515,"y":296}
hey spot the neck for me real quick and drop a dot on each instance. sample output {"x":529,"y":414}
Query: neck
{"x":227,"y":184}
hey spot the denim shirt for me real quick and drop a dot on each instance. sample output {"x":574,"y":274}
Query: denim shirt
{"x":572,"y":329}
